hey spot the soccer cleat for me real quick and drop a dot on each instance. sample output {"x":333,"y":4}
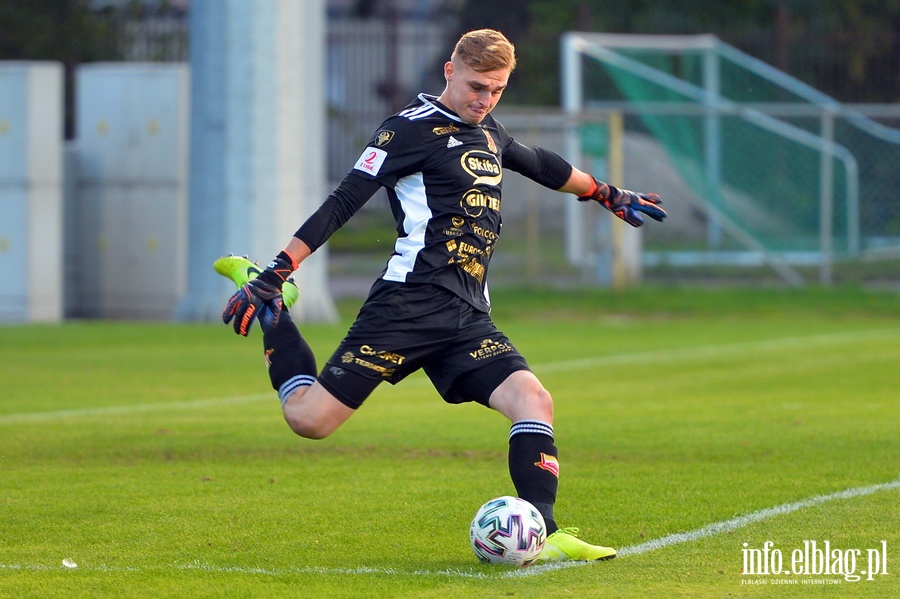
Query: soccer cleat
{"x":564,"y":545}
{"x":240,"y":270}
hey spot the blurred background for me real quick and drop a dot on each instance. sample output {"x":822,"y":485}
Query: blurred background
{"x":770,"y":127}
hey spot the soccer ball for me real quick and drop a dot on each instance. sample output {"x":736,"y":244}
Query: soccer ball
{"x":508,"y":530}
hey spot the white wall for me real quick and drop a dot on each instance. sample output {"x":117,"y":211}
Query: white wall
{"x":31,"y":178}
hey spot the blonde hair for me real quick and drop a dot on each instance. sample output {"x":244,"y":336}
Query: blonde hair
{"x":485,"y":50}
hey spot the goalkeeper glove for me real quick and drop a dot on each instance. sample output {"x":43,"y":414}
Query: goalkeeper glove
{"x":259,"y":296}
{"x":626,"y":204}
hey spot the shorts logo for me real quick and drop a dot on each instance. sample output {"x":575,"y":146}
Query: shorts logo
{"x":384,"y":371}
{"x":549,"y":463}
{"x":490,"y":348}
{"x":387,"y":356}
{"x":370,"y":161}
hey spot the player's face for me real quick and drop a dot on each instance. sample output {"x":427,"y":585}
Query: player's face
{"x":470,"y":94}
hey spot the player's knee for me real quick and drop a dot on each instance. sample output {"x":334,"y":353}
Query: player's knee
{"x":523,"y":397}
{"x":534,"y":395}
{"x":541,"y":402}
{"x":303,"y":420}
{"x":306,"y":425}
{"x":313,"y":413}
{"x":536,"y":404}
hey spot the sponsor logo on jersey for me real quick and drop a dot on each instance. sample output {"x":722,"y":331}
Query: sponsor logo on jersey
{"x":475,"y":201}
{"x":370,"y":161}
{"x":383,"y":138}
{"x":484,"y":167}
{"x":487,"y":234}
{"x":549,"y":463}
{"x":445,"y":130}
{"x":475,"y":269}
{"x":453,"y":142}
{"x":455,"y":229}
{"x":467,"y":249}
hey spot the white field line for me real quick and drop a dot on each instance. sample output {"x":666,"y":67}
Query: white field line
{"x":719,"y":351}
{"x":133,"y":409}
{"x":656,"y":357}
{"x":710,"y":530}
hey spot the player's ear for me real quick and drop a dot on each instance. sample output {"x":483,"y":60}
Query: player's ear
{"x":448,"y":70}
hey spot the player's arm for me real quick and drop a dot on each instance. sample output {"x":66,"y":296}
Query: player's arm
{"x":627,"y":205}
{"x":579,"y":183}
{"x":265,"y":290}
{"x":553,"y":171}
{"x":353,"y":192}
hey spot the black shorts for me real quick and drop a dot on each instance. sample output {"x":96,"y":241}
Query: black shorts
{"x":404,"y":327}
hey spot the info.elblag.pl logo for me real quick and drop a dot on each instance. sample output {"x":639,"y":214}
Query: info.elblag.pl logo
{"x":815,"y":562}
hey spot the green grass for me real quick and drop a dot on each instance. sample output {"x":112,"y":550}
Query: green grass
{"x":154,"y":455}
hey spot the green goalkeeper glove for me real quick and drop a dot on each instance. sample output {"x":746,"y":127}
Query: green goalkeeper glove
{"x":627,"y":205}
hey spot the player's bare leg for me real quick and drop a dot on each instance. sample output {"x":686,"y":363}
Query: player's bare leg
{"x":313,"y":412}
{"x":522,"y":397}
{"x":309,"y":409}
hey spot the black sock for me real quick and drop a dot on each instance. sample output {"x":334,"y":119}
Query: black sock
{"x":534,"y":467}
{"x":291,"y":361}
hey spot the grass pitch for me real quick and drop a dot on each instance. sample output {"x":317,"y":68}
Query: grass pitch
{"x":153,"y":456}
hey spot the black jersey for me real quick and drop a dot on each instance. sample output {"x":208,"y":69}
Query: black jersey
{"x":443,"y":179}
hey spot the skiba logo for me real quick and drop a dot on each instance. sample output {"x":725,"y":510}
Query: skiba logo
{"x":483,"y":167}
{"x":811,"y":562}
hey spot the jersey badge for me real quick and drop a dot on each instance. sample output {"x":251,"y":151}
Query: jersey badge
{"x":370,"y":161}
{"x":383,"y":138}
{"x":490,"y":141}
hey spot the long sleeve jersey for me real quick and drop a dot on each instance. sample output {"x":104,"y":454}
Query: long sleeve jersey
{"x":443,"y":179}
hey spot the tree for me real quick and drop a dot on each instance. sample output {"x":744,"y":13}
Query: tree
{"x":848,"y":48}
{"x":66,"y":31}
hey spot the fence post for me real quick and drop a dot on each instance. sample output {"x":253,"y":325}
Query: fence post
{"x":826,"y":198}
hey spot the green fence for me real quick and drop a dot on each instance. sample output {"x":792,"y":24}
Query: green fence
{"x":780,"y":170}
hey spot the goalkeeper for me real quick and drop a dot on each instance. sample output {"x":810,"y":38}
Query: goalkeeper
{"x":441,"y":161}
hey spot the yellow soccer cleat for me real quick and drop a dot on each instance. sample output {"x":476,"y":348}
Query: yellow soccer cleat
{"x":240,"y":270}
{"x":564,"y":545}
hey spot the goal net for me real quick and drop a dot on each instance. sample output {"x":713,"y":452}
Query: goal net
{"x":779,"y":173}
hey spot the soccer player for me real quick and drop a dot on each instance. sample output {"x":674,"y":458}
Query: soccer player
{"x":441,"y":160}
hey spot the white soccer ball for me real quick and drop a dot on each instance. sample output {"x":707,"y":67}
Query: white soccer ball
{"x":508,"y":530}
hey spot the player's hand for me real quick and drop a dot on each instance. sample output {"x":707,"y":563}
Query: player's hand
{"x":259,"y":296}
{"x":627,"y":205}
